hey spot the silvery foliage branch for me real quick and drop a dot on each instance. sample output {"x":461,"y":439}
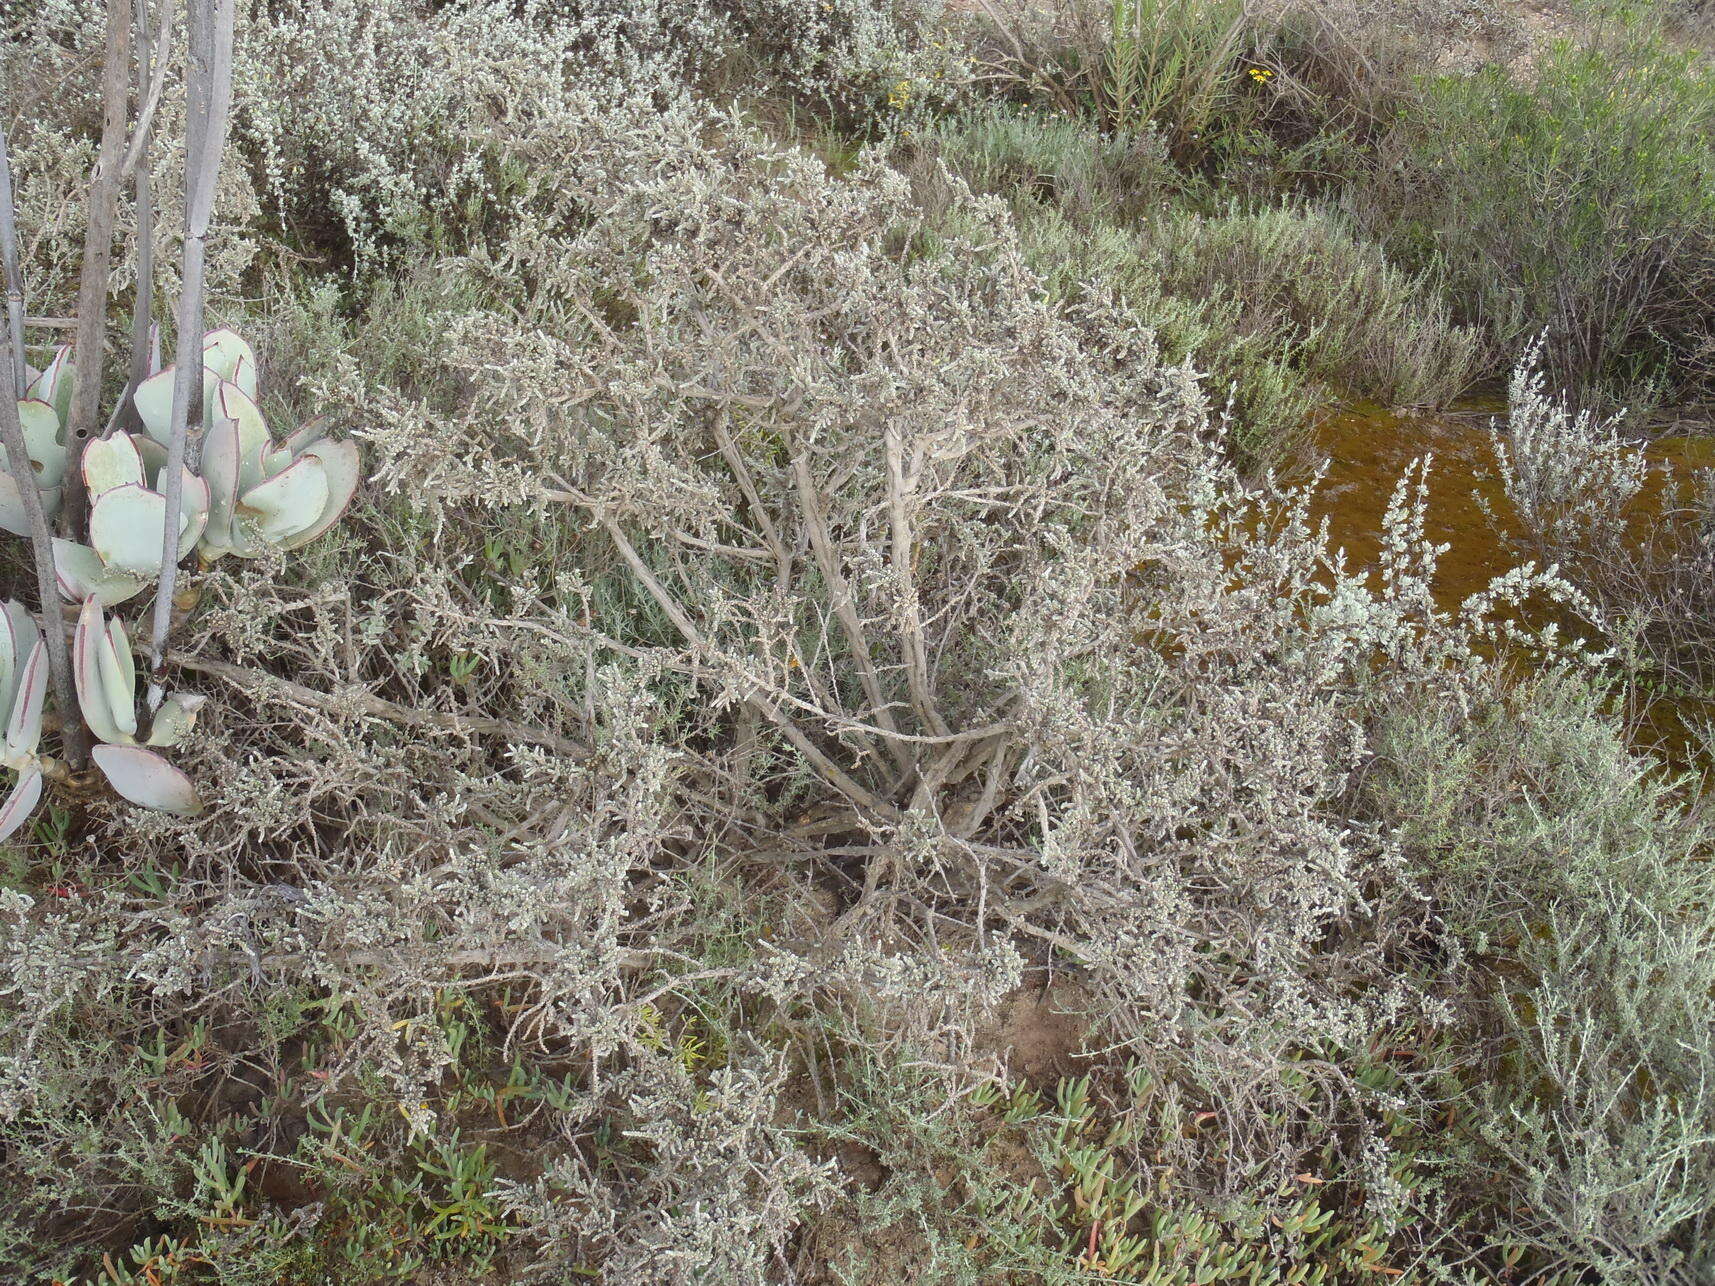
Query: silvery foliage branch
{"x":1568,"y":476}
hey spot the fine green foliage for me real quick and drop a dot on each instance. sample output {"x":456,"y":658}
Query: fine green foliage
{"x":1577,"y":879}
{"x":1576,"y":202}
{"x":1285,"y":308}
{"x":1176,"y":65}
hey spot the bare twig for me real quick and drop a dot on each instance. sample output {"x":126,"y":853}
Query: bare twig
{"x":151,"y":73}
{"x":14,"y":278}
{"x":845,"y":611}
{"x":208,"y":76}
{"x":830,"y":772}
{"x":900,"y":489}
{"x":97,"y":264}
{"x":151,"y":79}
{"x":355,"y":701}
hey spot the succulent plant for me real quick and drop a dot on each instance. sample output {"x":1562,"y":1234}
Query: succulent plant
{"x":42,"y":413}
{"x":251,"y":494}
{"x":106,"y":676}
{"x":54,"y":383}
{"x":23,"y":692}
{"x":226,"y":359}
{"x":262,"y":494}
{"x":126,"y":514}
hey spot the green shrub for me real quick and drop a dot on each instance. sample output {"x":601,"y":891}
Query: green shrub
{"x":1090,"y":176}
{"x":1343,"y":312}
{"x":1578,"y":202}
{"x":1284,"y":310}
{"x":1250,"y":374}
{"x":1580,"y":884}
{"x":1191,"y":71}
{"x":1177,"y":65}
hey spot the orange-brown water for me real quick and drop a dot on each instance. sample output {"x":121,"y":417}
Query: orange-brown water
{"x":1368,"y":449}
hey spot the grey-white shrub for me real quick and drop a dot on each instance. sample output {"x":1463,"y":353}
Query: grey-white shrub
{"x":1569,"y":476}
{"x":1576,"y":875}
{"x":721,"y":1198}
{"x":355,"y":91}
{"x":802,"y":558}
{"x":912,"y":525}
{"x":1579,"y":493}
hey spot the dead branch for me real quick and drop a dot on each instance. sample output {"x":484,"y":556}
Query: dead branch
{"x":208,"y":77}
{"x":355,"y":701}
{"x":92,"y":285}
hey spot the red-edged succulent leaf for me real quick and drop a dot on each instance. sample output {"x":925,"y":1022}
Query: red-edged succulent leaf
{"x":14,"y":648}
{"x":227,"y":354}
{"x":105,"y":692}
{"x":154,"y":402}
{"x":81,"y":574}
{"x":175,"y":719}
{"x":55,"y":383}
{"x":253,"y":440}
{"x":146,"y":779}
{"x":21,"y":802}
{"x":125,"y":529}
{"x":112,"y":462}
{"x":220,"y":470}
{"x":289,"y":502}
{"x":18,"y":635}
{"x":12,"y":517}
{"x":154,"y":457}
{"x":41,"y":428}
{"x":193,"y":504}
{"x":343,"y":467}
{"x":24,"y":726}
{"x":307,"y":434}
{"x":119,"y":676}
